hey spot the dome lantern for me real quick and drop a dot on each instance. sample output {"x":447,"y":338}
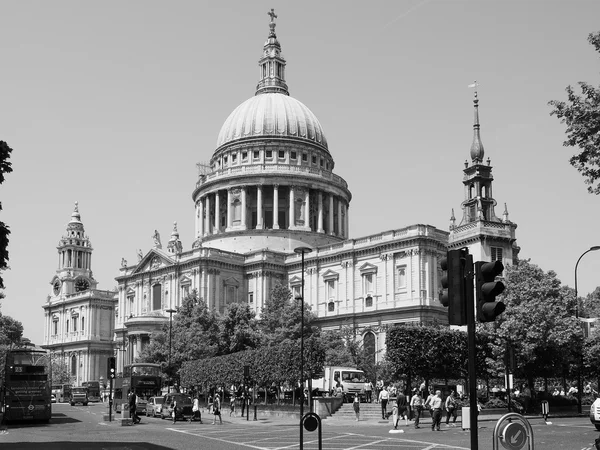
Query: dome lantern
{"x":272,"y":64}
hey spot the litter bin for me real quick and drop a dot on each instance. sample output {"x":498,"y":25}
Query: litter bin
{"x":465,"y":417}
{"x":125,"y":411}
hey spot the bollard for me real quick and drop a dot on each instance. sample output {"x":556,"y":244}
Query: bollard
{"x":255,"y":412}
{"x":465,"y":417}
{"x":545,"y":411}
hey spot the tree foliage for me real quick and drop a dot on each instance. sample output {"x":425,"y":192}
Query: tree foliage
{"x":5,"y":167}
{"x":581,"y":114}
{"x":539,"y":322}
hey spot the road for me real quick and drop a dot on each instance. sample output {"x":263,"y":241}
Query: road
{"x":83,"y":427}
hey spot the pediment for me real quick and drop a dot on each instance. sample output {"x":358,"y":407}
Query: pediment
{"x":368,"y":268}
{"x":330,"y":275}
{"x":185,"y":280}
{"x":153,"y":260}
{"x":295,"y":280}
{"x":231,"y":282}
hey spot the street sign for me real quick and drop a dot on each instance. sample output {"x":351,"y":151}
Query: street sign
{"x":514,"y":436}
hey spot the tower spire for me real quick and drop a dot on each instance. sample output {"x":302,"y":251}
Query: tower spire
{"x":477,"y":146}
{"x":272,"y":63}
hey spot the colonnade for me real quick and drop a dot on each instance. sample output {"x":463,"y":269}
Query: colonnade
{"x":75,"y":259}
{"x":252,"y":207}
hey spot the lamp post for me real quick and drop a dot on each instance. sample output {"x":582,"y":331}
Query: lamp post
{"x":170,"y":311}
{"x":579,"y":384}
{"x":302,"y":251}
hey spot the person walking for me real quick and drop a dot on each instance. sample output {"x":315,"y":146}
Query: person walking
{"x":427,"y":404}
{"x":174,"y":410}
{"x":383,"y":399}
{"x":416,"y":403}
{"x":232,"y":406}
{"x":356,"y":406}
{"x":196,"y":409}
{"x":133,"y":408}
{"x":401,"y":406}
{"x":369,"y":391}
{"x":436,"y":411}
{"x":451,"y":409}
{"x":217,"y":409}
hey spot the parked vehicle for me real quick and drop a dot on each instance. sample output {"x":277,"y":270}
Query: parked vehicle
{"x":154,"y":406}
{"x":52,"y":398}
{"x":595,"y":413}
{"x":350,"y":381}
{"x":79,"y":394}
{"x":184,"y":406}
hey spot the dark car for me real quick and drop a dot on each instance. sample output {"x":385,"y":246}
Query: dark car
{"x":184,"y":406}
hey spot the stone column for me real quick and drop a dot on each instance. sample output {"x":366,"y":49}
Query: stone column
{"x":200,"y":232}
{"x":292,"y":212}
{"x":347,"y":220}
{"x":229,"y":208}
{"x":217,"y":213}
{"x":320,"y":213}
{"x":207,"y":228}
{"x":340,"y":218}
{"x":276,"y":207}
{"x":244,"y":206}
{"x":331,"y":229}
{"x":259,"y":208}
{"x":307,"y":223}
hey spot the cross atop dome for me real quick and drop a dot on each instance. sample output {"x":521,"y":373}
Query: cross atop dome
{"x":272,"y":23}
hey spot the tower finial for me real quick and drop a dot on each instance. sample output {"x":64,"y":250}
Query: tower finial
{"x":272,"y":24}
{"x":477,"y":151}
{"x":272,"y":64}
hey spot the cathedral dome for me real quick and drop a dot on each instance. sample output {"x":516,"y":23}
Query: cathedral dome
{"x":272,"y":114}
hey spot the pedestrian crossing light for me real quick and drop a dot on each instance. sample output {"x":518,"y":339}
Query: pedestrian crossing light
{"x":112,"y":369}
{"x":487,"y":288}
{"x":452,"y":294}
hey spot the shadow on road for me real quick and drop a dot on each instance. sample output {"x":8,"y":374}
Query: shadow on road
{"x":85,"y":446}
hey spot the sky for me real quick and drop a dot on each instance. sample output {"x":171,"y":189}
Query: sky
{"x":113,"y":103}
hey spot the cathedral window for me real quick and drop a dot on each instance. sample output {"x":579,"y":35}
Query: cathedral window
{"x":250,"y":297}
{"x":367,"y":283}
{"x":225,"y":160}
{"x":67,"y":325}
{"x":305,"y":157}
{"x":330,"y":289}
{"x":496,"y":253}
{"x":331,"y":306}
{"x":73,"y":365}
{"x":400,"y":277}
{"x":82,"y":323}
{"x":237,"y":212}
{"x":314,"y":160}
{"x":244,"y":156}
{"x":55,"y":327}
{"x":233,"y":158}
{"x":75,"y":324}
{"x":156,"y":296}
{"x":269,"y":154}
{"x":129,"y":309}
{"x":255,"y":154}
{"x":322,"y":162}
{"x":281,"y":154}
{"x":293,"y":155}
{"x":369,"y":302}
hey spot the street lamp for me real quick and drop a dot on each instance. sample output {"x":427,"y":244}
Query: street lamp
{"x":579,"y":387}
{"x":302,"y":251}
{"x":170,"y":311}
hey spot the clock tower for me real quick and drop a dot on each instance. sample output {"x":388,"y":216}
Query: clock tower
{"x":74,"y":273}
{"x":78,"y":317}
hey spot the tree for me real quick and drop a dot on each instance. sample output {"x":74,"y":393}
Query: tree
{"x":539,"y":322}
{"x":5,"y":167}
{"x":581,"y":114}
{"x":591,"y":306}
{"x":238,"y":329}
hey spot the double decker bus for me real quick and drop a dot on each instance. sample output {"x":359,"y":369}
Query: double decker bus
{"x":142,"y":378}
{"x":93,"y":390}
{"x":26,"y":392}
{"x":62,"y":392}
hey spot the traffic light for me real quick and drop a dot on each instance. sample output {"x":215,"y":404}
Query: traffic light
{"x":487,"y":289}
{"x":453,"y":293}
{"x":112,"y":368}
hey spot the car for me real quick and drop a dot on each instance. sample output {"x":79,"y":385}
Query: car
{"x":595,"y":414}
{"x":53,"y":398}
{"x":154,"y":406}
{"x":184,"y":406}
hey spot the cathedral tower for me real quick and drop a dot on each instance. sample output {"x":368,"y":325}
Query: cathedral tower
{"x":488,"y":237}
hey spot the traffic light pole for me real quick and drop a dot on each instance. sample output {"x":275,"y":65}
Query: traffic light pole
{"x":110,"y":401}
{"x":470,"y":301}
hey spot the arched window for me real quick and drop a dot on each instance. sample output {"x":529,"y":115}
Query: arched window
{"x":237,"y":212}
{"x":74,"y":365}
{"x":331,"y":306}
{"x":369,"y":346}
{"x":369,"y":301}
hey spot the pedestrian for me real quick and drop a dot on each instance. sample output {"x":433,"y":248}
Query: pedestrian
{"x":427,"y":404}
{"x":378,"y":387}
{"x":217,"y":409}
{"x":451,"y":409}
{"x":196,"y":409}
{"x":416,"y":403}
{"x":210,"y":403}
{"x":174,"y":410}
{"x":526,"y":397}
{"x":401,"y":408}
{"x":356,"y":406}
{"x":232,"y":406}
{"x":383,"y":399}
{"x":369,"y":391}
{"x":436,"y":411}
{"x":133,"y":408}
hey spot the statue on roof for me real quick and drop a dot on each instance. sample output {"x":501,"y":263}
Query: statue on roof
{"x":156,"y":238}
{"x":140,"y":255}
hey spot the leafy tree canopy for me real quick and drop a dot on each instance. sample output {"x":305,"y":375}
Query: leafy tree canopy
{"x":581,"y":114}
{"x":5,"y":167}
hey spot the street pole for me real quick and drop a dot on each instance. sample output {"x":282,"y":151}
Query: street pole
{"x":302,"y":251}
{"x":170,"y":311}
{"x":579,"y":381}
{"x":470,"y":299}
